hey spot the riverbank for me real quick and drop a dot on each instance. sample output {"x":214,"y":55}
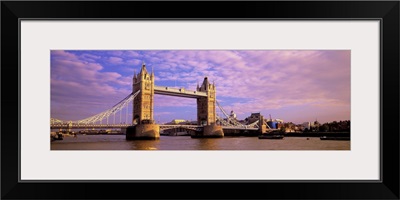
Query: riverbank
{"x":318,"y":134}
{"x":256,"y":133}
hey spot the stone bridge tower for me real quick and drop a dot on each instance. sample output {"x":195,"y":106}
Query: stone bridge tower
{"x":143,"y":103}
{"x":206,"y":112}
{"x":206,"y":105}
{"x":144,"y":126}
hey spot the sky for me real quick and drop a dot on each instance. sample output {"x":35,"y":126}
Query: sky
{"x":293,"y":85}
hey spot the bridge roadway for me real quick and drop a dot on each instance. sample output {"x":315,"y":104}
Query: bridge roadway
{"x":181,"y":92}
{"x":162,"y":126}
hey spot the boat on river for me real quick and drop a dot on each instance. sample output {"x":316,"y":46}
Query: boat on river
{"x":334,"y":138}
{"x":268,"y":136}
{"x":56,"y":136}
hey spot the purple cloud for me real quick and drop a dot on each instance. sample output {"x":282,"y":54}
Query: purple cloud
{"x":294,"y":85}
{"x":115,"y":60}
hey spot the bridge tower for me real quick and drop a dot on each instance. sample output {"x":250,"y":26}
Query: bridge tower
{"x":206,"y":112}
{"x":143,"y":104}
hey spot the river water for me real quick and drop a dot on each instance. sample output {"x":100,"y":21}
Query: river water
{"x":118,"y":142}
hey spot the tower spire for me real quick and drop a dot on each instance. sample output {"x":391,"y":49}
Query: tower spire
{"x":143,"y":69}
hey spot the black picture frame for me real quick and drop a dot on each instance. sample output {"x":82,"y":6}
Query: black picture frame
{"x":386,"y":11}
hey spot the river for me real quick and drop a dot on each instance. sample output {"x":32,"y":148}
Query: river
{"x":118,"y":142}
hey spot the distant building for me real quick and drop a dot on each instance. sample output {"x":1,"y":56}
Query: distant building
{"x":311,"y":126}
{"x":306,"y":125}
{"x":253,"y":117}
{"x":177,"y":121}
{"x":274,"y":123}
{"x":232,"y":115}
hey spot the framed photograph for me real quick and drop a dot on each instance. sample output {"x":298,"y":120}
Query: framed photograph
{"x":274,"y":100}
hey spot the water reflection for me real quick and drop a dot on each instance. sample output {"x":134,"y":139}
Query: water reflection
{"x":206,"y":143}
{"x":118,"y":142}
{"x":145,"y":144}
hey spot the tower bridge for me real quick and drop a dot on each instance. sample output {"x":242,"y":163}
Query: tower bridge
{"x":143,"y":105}
{"x":143,"y":125}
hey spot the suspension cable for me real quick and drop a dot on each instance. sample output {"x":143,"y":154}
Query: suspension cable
{"x":112,"y":111}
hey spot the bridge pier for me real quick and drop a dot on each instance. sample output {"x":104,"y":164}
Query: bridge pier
{"x":262,"y":129}
{"x":210,"y":131}
{"x":143,"y":132}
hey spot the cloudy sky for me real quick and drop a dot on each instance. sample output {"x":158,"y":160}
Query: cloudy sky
{"x":296,"y":86}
